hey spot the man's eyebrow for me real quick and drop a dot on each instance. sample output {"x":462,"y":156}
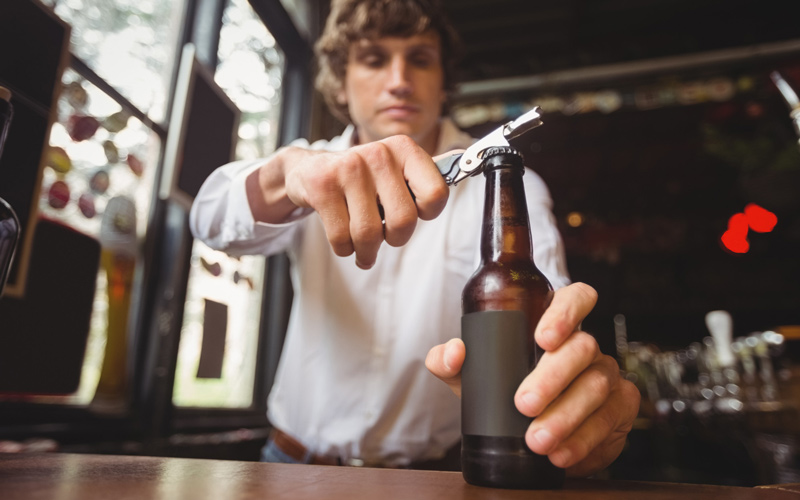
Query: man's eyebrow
{"x":366,"y":46}
{"x":425,"y":46}
{"x":363,"y":53}
{"x":367,"y":43}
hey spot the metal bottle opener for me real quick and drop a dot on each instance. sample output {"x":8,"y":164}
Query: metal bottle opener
{"x":791,"y":99}
{"x":458,"y":167}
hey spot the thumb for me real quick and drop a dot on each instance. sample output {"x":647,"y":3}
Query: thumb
{"x":445,"y":361}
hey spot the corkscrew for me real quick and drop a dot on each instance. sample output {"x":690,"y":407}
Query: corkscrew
{"x":791,"y":99}
{"x":458,"y":167}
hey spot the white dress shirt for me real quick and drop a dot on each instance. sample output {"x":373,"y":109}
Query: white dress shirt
{"x":352,"y":382}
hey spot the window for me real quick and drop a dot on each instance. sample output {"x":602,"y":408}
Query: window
{"x":129,"y":43}
{"x":98,"y":149}
{"x":118,"y":161}
{"x":222,"y":288}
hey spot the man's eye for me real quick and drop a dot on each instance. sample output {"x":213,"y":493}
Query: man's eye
{"x":422,"y":61}
{"x":373,"y":61}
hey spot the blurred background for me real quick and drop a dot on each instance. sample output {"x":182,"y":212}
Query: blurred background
{"x":669,"y":148}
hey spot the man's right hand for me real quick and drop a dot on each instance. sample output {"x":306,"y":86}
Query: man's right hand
{"x":346,"y":189}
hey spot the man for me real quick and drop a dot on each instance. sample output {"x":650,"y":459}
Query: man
{"x":351,"y":387}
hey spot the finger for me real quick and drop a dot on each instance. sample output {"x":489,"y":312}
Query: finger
{"x":601,"y":438}
{"x":421,"y":175}
{"x":570,"y":306}
{"x":400,"y":210}
{"x":336,"y":221}
{"x":400,"y":213}
{"x":601,"y":457}
{"x":445,"y":361}
{"x":313,"y":183}
{"x":567,"y":413}
{"x":555,"y":371}
{"x":365,"y":226}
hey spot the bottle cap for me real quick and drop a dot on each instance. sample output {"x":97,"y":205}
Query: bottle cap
{"x":500,"y":150}
{"x":5,"y":94}
{"x":499,"y":156}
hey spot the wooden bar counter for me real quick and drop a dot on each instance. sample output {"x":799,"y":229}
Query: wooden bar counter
{"x":104,"y":477}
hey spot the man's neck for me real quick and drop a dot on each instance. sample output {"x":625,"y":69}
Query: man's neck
{"x":431,"y":142}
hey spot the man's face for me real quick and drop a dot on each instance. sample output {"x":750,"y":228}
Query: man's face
{"x":395,"y":86}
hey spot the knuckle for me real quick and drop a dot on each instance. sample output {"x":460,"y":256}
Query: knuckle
{"x":367,"y":233}
{"x":376,"y":155}
{"x":322,"y":199}
{"x":558,"y":428}
{"x":560,"y":325}
{"x":607,"y":421}
{"x":320,"y":184}
{"x":548,"y":392}
{"x":341,"y":243}
{"x":341,"y":246}
{"x":546,"y":388}
{"x":611,"y":368}
{"x":439,"y":191}
{"x":580,"y":448}
{"x":406,"y":217}
{"x":610,"y":362}
{"x":350,"y":167}
{"x":400,"y":142}
{"x":585,"y":345}
{"x":337,"y":233}
{"x":631,"y":393}
{"x":403,"y":220}
{"x":399,"y":237}
{"x":600,"y":383}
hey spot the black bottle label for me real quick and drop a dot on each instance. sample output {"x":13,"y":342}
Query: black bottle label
{"x":496,"y":362}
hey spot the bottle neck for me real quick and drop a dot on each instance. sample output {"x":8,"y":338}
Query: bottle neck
{"x":506,"y":232}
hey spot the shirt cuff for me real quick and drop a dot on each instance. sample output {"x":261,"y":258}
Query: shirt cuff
{"x":297,"y":214}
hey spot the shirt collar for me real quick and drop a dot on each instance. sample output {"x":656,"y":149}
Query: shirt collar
{"x":450,"y":137}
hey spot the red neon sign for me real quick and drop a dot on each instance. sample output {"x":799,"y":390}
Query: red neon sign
{"x":754,"y":217}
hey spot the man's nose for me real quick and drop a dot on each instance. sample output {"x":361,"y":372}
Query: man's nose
{"x":399,"y":81}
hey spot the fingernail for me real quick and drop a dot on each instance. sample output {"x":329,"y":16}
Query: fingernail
{"x":543,"y":441}
{"x":532,"y":403}
{"x":448,"y":350}
{"x":362,"y":266}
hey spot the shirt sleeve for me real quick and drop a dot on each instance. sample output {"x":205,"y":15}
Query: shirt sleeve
{"x":548,"y":248}
{"x":221,"y":218}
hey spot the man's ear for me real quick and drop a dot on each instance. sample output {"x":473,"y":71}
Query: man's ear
{"x":341,"y":97}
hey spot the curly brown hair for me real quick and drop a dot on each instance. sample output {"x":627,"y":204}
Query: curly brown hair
{"x":353,"y":20}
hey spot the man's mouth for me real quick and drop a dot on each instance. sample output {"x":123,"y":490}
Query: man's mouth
{"x":400,"y":110}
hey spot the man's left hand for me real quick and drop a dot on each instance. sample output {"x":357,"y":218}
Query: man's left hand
{"x":584,"y":409}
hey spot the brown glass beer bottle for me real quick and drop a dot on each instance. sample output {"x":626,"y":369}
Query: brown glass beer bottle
{"x":502,"y":303}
